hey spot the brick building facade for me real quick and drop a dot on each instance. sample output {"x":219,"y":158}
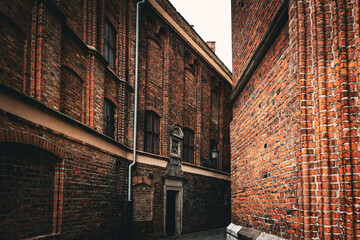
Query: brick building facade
{"x":67,"y":75}
{"x":295,"y":129}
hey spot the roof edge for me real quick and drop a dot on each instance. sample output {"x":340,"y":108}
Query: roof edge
{"x":196,"y":42}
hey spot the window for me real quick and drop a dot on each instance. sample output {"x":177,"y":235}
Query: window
{"x":109,"y":44}
{"x":152,"y":132}
{"x":188,"y":150}
{"x":109,"y":118}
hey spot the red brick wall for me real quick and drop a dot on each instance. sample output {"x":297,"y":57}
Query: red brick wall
{"x":71,"y":94}
{"x":301,"y":101}
{"x":206,"y":202}
{"x":256,"y":16}
{"x":263,"y":145}
{"x":203,"y":209}
{"x":12,"y":42}
{"x":55,"y":51}
{"x":177,"y":85}
{"x":92,"y":187}
{"x":27,"y":192}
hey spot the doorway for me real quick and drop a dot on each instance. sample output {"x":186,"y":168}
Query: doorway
{"x":171,"y":199}
{"x":173,"y":207}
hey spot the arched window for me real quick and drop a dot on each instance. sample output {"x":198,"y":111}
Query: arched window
{"x":188,"y":149}
{"x":152,"y":132}
{"x":109,"y":118}
{"x":109,"y":43}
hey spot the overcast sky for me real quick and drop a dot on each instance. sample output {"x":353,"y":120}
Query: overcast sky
{"x":212,"y":21}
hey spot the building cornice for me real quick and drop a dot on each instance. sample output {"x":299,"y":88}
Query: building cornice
{"x":194,"y":40}
{"x":29,"y":109}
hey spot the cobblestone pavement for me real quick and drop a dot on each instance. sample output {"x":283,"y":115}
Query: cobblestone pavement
{"x":215,"y":234}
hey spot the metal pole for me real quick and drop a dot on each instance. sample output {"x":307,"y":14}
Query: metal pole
{"x":129,"y":203}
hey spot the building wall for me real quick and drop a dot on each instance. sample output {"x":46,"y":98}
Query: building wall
{"x":294,"y":134}
{"x":264,"y":134}
{"x":257,"y":16}
{"x":85,"y":195}
{"x":54,"y":79}
{"x":203,"y":210}
{"x":178,"y":86}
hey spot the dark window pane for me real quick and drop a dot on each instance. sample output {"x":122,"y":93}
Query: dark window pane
{"x":111,"y":59}
{"x":151,"y":137}
{"x":109,"y":44}
{"x":106,"y":51}
{"x":106,"y":34}
{"x":191,"y":155}
{"x":109,"y":118}
{"x":188,"y":148}
{"x":148,"y":122}
{"x":155,"y":143}
{"x":155,"y":124}
{"x":185,"y":154}
{"x":147,"y":142}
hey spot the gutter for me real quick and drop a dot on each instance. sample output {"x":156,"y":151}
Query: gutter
{"x":129,"y":201}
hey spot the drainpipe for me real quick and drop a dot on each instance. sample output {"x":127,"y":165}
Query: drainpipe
{"x":129,"y":202}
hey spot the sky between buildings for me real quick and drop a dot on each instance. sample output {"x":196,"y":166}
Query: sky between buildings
{"x":212,"y":21}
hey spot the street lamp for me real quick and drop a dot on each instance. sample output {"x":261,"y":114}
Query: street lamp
{"x":214,"y":153}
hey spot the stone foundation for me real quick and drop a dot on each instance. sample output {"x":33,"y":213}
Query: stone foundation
{"x":235,"y":232}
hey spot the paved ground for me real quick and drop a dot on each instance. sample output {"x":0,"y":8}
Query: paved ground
{"x":216,"y":234}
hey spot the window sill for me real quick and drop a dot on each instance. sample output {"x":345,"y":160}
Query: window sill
{"x":153,"y":155}
{"x":113,"y":74}
{"x":46,"y":236}
{"x":203,"y":168}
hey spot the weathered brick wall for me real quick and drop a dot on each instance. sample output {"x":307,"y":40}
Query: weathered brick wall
{"x":178,"y":88}
{"x":92,"y":189}
{"x":263,"y":145}
{"x":15,"y":26}
{"x":177,"y":85}
{"x":151,"y":177}
{"x":71,"y":94}
{"x":27,"y":192}
{"x":329,"y":116}
{"x":206,"y":203}
{"x":60,"y":35}
{"x":256,"y":16}
{"x":300,"y":152}
{"x":53,"y":52}
{"x":50,"y":54}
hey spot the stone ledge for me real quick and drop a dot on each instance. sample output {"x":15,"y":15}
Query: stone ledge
{"x":236,"y":232}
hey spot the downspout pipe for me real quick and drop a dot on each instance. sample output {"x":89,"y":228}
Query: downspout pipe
{"x":129,"y":202}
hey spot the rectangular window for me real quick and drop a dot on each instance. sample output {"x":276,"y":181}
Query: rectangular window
{"x":109,"y":118}
{"x":152,"y":132}
{"x":109,"y":44}
{"x":188,"y":152}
